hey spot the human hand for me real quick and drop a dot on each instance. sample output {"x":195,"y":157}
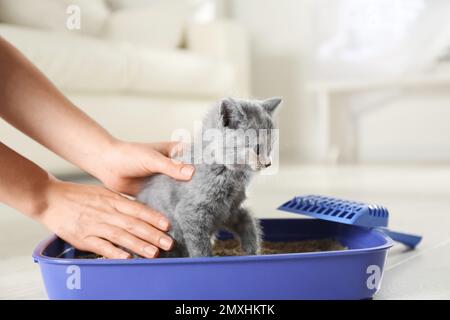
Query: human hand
{"x":127,"y":166}
{"x":95,"y":219}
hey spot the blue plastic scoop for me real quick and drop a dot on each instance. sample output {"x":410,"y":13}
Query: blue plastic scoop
{"x":348,"y":212}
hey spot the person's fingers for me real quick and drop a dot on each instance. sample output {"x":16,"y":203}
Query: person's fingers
{"x":171,"y":168}
{"x":142,"y":230}
{"x":129,"y":187}
{"x":124,"y":239}
{"x":179,"y":150}
{"x":105,"y":248}
{"x":142,"y":212}
{"x":167,"y":148}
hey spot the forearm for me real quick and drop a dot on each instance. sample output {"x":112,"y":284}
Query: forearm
{"x":32,"y":104}
{"x":22,"y":182}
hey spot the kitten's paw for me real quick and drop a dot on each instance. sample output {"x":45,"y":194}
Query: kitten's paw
{"x":252,"y":250}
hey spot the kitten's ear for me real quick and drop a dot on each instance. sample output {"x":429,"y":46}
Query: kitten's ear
{"x":271,"y":104}
{"x":230,"y":113}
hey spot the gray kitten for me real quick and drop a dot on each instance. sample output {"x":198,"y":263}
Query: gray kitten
{"x":213,"y":199}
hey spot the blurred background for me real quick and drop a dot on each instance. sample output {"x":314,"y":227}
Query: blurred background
{"x":365,"y":83}
{"x":362,"y":81}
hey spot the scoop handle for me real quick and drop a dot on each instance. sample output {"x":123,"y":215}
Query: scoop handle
{"x":409,"y":240}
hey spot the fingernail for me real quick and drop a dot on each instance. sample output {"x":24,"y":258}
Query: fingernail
{"x":165,"y":243}
{"x":150,"y":251}
{"x":187,"y":171}
{"x":163,"y":224}
{"x":125,"y":255}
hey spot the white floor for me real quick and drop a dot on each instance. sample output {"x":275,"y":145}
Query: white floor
{"x":418,"y":199}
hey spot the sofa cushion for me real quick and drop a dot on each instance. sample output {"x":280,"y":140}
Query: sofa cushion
{"x":84,"y":64}
{"x":52,"y":15}
{"x":159,"y":25}
{"x":127,"y":4}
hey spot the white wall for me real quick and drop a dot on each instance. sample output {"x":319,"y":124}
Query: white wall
{"x":413,"y":127}
{"x":276,"y":29}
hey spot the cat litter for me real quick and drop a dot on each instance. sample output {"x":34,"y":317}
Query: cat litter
{"x":351,"y":269}
{"x":232,"y":247}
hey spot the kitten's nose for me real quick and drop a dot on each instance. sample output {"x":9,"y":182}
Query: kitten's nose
{"x":268,"y":164}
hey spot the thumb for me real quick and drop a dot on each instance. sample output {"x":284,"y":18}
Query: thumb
{"x":172,"y":168}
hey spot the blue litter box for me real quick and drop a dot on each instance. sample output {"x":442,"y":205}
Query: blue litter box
{"x":355,"y":273}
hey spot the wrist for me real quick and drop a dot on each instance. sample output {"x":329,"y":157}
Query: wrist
{"x":39,"y":199}
{"x":100,"y":163}
{"x":106,"y":164}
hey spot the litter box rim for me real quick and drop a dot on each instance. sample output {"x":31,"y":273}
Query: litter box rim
{"x":39,"y":257}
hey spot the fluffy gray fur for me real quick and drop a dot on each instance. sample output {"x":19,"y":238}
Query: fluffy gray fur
{"x":213,"y":199}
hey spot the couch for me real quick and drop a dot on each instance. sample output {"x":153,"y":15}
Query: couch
{"x":142,"y":71}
